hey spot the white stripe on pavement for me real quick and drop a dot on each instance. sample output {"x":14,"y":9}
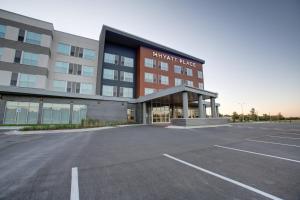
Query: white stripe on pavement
{"x":290,"y":145}
{"x":275,"y":136}
{"x":74,"y":184}
{"x":261,"y":154}
{"x":225,"y":178}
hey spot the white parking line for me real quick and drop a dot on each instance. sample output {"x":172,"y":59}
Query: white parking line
{"x":261,"y":154}
{"x":290,"y":145}
{"x":225,"y":178}
{"x":74,"y":184}
{"x":275,"y":136}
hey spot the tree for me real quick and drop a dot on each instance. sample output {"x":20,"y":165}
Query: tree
{"x":234,"y":116}
{"x":253,"y":115}
{"x":280,"y":116}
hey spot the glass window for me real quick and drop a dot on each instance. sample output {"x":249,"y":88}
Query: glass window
{"x":201,"y":86}
{"x":177,"y":69}
{"x":79,"y":113}
{"x":164,"y":80}
{"x":108,"y":90}
{"x":178,"y":81}
{"x":2,"y":31}
{"x":149,"y":62}
{"x":86,"y":88}
{"x":61,"y":67}
{"x":125,"y":61}
{"x":149,"y":77}
{"x":126,"y":92}
{"x":21,"y":112}
{"x":29,"y":58}
{"x":189,"y":72}
{"x":149,"y":91}
{"x":27,"y":80}
{"x":1,"y":53}
{"x":33,"y":38}
{"x":164,"y":66}
{"x":111,"y":58}
{"x":87,"y":71}
{"x":110,"y":74}
{"x":126,"y":76}
{"x":189,"y":83}
{"x":63,"y":48}
{"x":56,"y":113}
{"x":89,"y":54}
{"x":200,"y":74}
{"x":59,"y":85}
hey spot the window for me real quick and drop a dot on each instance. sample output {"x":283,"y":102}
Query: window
{"x":164,"y":80}
{"x":87,"y":71}
{"x":89,"y":54}
{"x":201,"y":86}
{"x":110,"y":74}
{"x":54,"y":113}
{"x":149,"y":62}
{"x":178,"y":81}
{"x":189,"y":72}
{"x":164,"y":66}
{"x":149,"y":77}
{"x":14,"y":79}
{"x":64,"y":48}
{"x":27,"y":80}
{"x":73,"y":87}
{"x":75,"y":69}
{"x":126,"y":92}
{"x":108,"y":90}
{"x":125,"y":61}
{"x":1,"y":53}
{"x":21,"y":112}
{"x":189,"y":83}
{"x":76,"y":51}
{"x":200,"y":74}
{"x":177,"y":69}
{"x":86,"y":88}
{"x":79,"y":113}
{"x":149,"y":91}
{"x":111,"y":58}
{"x":59,"y":86}
{"x":18,"y":55}
{"x":126,"y":76}
{"x":29,"y":58}
{"x":61,"y":67}
{"x":21,"y":35}
{"x":2,"y":31}
{"x":33,"y":38}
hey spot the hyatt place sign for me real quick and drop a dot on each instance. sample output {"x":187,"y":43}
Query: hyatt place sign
{"x":172,"y":58}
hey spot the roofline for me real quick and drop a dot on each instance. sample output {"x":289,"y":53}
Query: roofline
{"x":165,"y":48}
{"x":76,"y":35}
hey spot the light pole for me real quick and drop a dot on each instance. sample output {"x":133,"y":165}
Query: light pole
{"x":242,"y":107}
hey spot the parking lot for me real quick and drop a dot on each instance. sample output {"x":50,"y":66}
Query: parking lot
{"x":242,"y":161}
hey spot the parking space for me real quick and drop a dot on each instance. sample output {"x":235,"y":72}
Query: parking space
{"x":149,"y":162}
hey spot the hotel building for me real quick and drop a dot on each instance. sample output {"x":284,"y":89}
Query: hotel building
{"x":51,"y":77}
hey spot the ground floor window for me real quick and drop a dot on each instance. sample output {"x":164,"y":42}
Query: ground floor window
{"x":79,"y":113}
{"x":21,"y":112}
{"x":130,"y":115}
{"x":56,"y":113}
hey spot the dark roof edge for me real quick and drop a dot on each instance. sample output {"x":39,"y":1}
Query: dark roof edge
{"x":108,"y":28}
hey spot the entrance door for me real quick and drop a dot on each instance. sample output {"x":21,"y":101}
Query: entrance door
{"x":160,"y":113}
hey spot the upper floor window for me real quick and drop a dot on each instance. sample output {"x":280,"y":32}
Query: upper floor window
{"x":33,"y":38}
{"x":87,"y":71}
{"x":109,"y":90}
{"x":189,"y":83}
{"x":126,"y":92}
{"x":128,"y":62}
{"x":111,"y":58}
{"x":27,"y":80}
{"x":110,"y":74}
{"x":64,"y":48}
{"x":126,"y":76}
{"x":59,"y":85}
{"x":61,"y":67}
{"x":177,"y":69}
{"x":200,"y":74}
{"x":178,"y":81}
{"x":149,"y":91}
{"x":86,"y":88}
{"x":1,"y":53}
{"x":89,"y":54}
{"x":75,"y":69}
{"x":164,"y":80}
{"x":2,"y":31}
{"x":29,"y":58}
{"x":73,"y":87}
{"x":149,"y":77}
{"x":164,"y":66}
{"x":189,"y":72}
{"x":149,"y":62}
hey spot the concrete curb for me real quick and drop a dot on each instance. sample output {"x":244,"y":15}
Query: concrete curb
{"x":191,"y":127}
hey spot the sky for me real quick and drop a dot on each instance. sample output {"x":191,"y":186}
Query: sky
{"x":251,"y":47}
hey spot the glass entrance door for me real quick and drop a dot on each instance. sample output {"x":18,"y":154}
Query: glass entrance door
{"x":160,"y":113}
